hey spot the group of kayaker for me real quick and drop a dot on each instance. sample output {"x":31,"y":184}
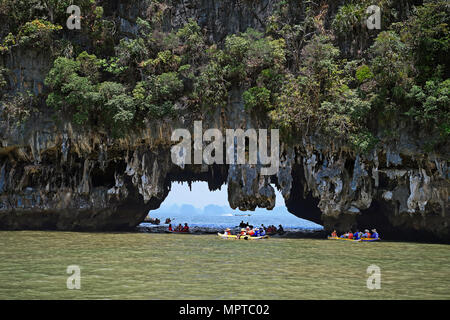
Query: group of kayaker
{"x":272,"y":229}
{"x":244,"y":225}
{"x":357,"y":234}
{"x":179,"y":228}
{"x":256,"y":232}
{"x":152,"y":220}
{"x":247,"y":231}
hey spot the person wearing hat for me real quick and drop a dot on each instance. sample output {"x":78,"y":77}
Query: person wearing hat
{"x":242,"y":233}
{"x":249,"y":231}
{"x":366,"y":234}
{"x":375,"y":234}
{"x":227,"y":232}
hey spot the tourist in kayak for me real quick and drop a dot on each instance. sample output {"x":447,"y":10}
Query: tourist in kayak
{"x":356,"y":235}
{"x":170,"y":227}
{"x":262,"y":232}
{"x":347,"y":235}
{"x":185,"y":228}
{"x":243,"y":233}
{"x":227,"y":232}
{"x":280,"y":229}
{"x":251,"y":232}
{"x":334,"y":234}
{"x":366,"y":234}
{"x":374,"y":234}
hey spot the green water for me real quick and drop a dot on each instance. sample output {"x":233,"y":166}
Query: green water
{"x":169,"y":266}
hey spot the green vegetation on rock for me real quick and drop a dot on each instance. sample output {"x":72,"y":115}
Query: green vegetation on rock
{"x":295,"y":73}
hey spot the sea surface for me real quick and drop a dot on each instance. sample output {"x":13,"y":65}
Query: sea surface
{"x":33,"y":265}
{"x":233,"y":218}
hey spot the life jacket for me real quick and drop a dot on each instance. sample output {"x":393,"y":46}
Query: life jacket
{"x":251,"y":233}
{"x":350,"y":235}
{"x":170,"y":228}
{"x":368,"y":234}
{"x":186,"y":229}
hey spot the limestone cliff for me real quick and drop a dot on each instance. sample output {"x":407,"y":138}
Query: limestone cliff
{"x":54,"y":175}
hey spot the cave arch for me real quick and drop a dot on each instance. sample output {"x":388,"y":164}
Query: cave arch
{"x":194,"y":203}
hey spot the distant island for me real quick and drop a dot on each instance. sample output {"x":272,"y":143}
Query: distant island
{"x":211,"y":209}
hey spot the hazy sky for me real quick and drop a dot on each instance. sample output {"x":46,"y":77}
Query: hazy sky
{"x":200,"y":195}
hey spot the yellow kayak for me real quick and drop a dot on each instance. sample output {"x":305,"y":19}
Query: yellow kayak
{"x":353,"y":240}
{"x":234,"y":237}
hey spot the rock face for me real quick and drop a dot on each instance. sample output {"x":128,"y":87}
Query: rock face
{"x":403,"y":198}
{"x":55,"y":176}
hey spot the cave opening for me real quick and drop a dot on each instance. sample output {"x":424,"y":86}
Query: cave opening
{"x":300,"y":203}
{"x":105,"y":176}
{"x":195,"y":203}
{"x":401,"y":226}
